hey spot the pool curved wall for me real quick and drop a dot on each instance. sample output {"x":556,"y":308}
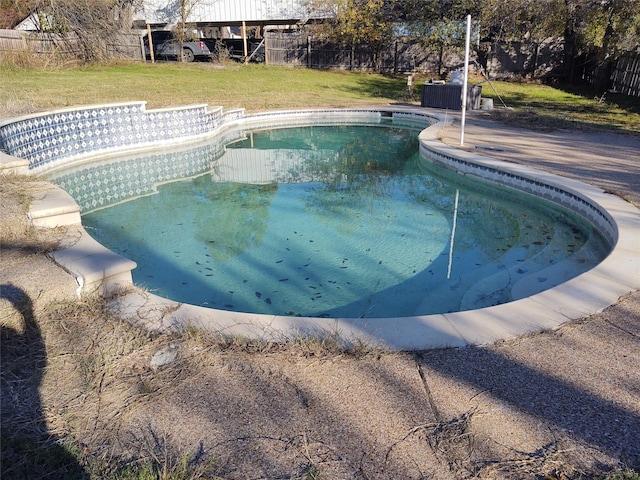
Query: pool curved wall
{"x":40,"y":142}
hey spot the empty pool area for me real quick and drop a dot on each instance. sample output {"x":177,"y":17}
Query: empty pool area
{"x":74,"y":139}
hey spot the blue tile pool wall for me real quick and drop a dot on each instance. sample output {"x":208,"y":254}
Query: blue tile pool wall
{"x":412,"y":117}
{"x":118,"y":179}
{"x":588,"y":210}
{"x":343,"y":116}
{"x":315,"y":117}
{"x":227,"y":116}
{"x":68,"y":135}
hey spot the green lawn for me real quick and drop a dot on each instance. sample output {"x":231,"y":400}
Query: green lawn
{"x":566,"y":108}
{"x":254,"y":87}
{"x":262,"y":87}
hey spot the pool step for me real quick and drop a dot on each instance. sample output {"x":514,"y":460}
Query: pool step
{"x":95,"y":268}
{"x":555,"y":274}
{"x":526,"y":278}
{"x":10,"y":165}
{"x":53,"y":207}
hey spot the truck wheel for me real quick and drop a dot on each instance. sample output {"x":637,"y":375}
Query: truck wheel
{"x":187,"y":55}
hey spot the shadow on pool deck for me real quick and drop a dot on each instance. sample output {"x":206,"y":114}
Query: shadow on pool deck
{"x":569,"y":380}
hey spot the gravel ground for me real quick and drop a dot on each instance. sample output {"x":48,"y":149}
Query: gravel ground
{"x":561,"y":403}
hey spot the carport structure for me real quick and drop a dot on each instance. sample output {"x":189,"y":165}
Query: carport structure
{"x":210,"y":16}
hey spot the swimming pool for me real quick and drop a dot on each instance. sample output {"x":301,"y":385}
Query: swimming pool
{"x":328,"y":221}
{"x":42,"y":142}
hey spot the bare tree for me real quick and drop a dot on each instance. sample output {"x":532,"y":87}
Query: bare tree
{"x":86,"y":27}
{"x":185,"y":8}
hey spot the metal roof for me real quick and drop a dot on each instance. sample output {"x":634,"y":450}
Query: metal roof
{"x":227,"y":12}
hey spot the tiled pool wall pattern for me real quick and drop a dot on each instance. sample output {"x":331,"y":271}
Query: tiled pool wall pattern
{"x":561,"y":196}
{"x":98,"y":184}
{"x":277,"y":119}
{"x":66,"y":135}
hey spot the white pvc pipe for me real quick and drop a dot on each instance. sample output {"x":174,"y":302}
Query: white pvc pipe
{"x":466,"y":80}
{"x":453,"y":234}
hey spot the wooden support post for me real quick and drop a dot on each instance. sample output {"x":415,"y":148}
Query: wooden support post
{"x":153,"y":60}
{"x":244,"y":41}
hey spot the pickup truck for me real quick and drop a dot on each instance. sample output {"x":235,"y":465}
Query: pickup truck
{"x":165,"y":45}
{"x":234,"y":48}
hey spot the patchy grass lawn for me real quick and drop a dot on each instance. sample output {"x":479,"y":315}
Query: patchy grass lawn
{"x":546,"y":107}
{"x":262,"y":87}
{"x":254,"y":87}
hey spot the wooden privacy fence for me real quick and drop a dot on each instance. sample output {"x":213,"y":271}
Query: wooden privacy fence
{"x":298,"y":48}
{"x":523,"y":58}
{"x":15,"y":42}
{"x":301,"y":49}
{"x":11,"y":40}
{"x":626,"y":75}
{"x":520,"y":58}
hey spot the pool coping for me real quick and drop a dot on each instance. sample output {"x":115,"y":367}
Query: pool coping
{"x":98,"y":269}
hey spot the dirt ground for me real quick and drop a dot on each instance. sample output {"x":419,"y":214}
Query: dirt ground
{"x":562,"y":404}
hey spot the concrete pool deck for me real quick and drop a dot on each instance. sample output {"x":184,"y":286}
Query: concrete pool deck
{"x":583,"y":295}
